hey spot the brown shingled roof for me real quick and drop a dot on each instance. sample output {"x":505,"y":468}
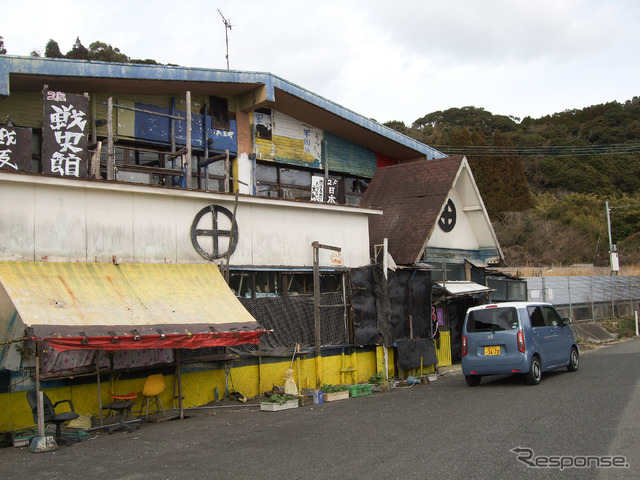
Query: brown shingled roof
{"x":412,"y":196}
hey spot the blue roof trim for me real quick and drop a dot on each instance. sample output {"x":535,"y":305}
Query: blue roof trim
{"x":356,"y":118}
{"x":84,"y":68}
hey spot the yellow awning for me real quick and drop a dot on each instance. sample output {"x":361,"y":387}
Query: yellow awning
{"x":95,"y":299}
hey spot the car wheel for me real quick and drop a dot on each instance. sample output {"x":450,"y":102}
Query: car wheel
{"x":574,"y":360}
{"x":473,"y":380}
{"x":535,"y":373}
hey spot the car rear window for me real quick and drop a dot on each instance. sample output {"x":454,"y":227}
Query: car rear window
{"x":492,"y":319}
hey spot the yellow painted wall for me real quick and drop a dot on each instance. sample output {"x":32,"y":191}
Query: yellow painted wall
{"x":444,"y":350}
{"x":282,"y":147}
{"x":198,"y":386}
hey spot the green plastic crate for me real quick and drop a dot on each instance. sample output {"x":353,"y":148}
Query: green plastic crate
{"x":360,"y":390}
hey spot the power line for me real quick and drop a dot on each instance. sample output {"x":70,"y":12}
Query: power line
{"x":545,"y":151}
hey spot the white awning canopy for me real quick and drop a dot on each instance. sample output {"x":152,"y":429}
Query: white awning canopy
{"x":457,"y":288}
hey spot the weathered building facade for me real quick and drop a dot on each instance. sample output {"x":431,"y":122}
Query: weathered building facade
{"x":138,"y":165}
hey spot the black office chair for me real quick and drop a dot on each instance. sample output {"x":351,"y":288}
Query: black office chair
{"x":50,"y":415}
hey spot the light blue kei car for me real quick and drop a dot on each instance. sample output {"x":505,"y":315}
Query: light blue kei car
{"x":525,"y":338}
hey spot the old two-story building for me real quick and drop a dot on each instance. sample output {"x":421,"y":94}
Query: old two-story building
{"x":203,"y":224}
{"x":436,"y":225}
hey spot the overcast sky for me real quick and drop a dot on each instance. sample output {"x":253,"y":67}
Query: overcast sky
{"x":385,"y":60}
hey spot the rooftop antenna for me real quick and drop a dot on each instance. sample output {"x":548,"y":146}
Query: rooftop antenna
{"x":227,"y":27}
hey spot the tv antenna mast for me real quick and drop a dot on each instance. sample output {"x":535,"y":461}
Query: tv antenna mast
{"x":227,"y":27}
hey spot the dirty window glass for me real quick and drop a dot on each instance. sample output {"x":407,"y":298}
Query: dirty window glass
{"x":553,"y":319}
{"x":492,"y":319}
{"x":536,"y":316}
{"x":295,"y":177}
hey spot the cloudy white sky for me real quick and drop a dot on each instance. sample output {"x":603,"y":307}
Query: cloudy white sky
{"x":385,"y":60}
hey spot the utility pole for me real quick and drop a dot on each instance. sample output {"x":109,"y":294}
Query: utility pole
{"x":227,"y":27}
{"x":613,"y":254}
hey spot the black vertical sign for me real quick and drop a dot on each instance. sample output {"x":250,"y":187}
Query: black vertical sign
{"x":334,"y":190}
{"x":64,"y":144}
{"x":15,"y":148}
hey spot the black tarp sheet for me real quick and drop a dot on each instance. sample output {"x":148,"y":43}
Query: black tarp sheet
{"x":416,"y":353}
{"x":387,"y":310}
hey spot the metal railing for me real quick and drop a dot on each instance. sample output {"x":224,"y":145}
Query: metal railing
{"x":584,"y":298}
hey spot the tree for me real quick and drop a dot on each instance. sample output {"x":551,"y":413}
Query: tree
{"x":106,"y":53}
{"x":398,"y":126}
{"x":3,"y":51}
{"x":52,"y":50}
{"x":78,"y":51}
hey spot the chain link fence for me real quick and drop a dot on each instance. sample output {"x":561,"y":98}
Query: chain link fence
{"x":583,"y":298}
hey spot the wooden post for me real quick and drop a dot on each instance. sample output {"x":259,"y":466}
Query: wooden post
{"x":188,"y":159}
{"x":232,"y":232}
{"x":316,"y":311}
{"x":316,"y":305}
{"x":97,"y":358}
{"x":39,"y":396}
{"x":179,"y":376}
{"x":94,"y":133}
{"x":205,"y":182}
{"x":111,"y":160}
{"x":226,"y":172}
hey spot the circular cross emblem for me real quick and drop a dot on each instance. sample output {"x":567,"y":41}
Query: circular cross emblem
{"x":447,"y":220}
{"x":221,"y":221}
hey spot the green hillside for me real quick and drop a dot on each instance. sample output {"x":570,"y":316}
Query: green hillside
{"x":545,"y":181}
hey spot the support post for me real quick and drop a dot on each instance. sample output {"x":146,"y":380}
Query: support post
{"x":179,"y":378}
{"x":316,"y":312}
{"x":111,"y":160}
{"x":41,"y":443}
{"x":188,"y":156}
{"x":39,"y":394}
{"x":385,"y":266}
{"x":316,"y":305}
{"x":227,"y":174}
{"x":97,"y":358}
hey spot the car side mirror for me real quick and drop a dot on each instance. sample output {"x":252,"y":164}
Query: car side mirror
{"x":566,"y":322}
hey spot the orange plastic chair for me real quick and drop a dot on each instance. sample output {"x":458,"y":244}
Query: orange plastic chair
{"x":153,"y":388}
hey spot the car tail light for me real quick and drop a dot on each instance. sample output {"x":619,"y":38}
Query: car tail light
{"x":464,"y":345}
{"x":521,"y":341}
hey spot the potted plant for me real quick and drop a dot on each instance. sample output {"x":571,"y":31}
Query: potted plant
{"x":277,"y":402}
{"x":331,"y":393}
{"x":379,"y":382}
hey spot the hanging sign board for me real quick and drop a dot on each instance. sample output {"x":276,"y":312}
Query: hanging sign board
{"x":15,"y":149}
{"x":331,"y":191}
{"x":64,"y":134}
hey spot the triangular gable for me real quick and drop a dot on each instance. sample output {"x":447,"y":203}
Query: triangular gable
{"x":463,"y":222}
{"x":414,"y":197}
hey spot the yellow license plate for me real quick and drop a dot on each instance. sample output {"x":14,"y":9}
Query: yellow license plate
{"x":492,"y":350}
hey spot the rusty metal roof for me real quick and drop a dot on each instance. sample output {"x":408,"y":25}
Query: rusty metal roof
{"x":412,"y":196}
{"x":67,"y":299}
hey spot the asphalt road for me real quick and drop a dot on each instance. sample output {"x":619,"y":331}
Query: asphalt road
{"x":442,"y":430}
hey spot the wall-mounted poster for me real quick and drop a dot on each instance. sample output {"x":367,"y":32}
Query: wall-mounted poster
{"x":64,"y":132}
{"x":15,"y":148}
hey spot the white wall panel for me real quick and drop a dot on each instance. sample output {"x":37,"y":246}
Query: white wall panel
{"x":109,"y":226}
{"x":60,"y":227}
{"x":71,"y":220}
{"x":17,"y":218}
